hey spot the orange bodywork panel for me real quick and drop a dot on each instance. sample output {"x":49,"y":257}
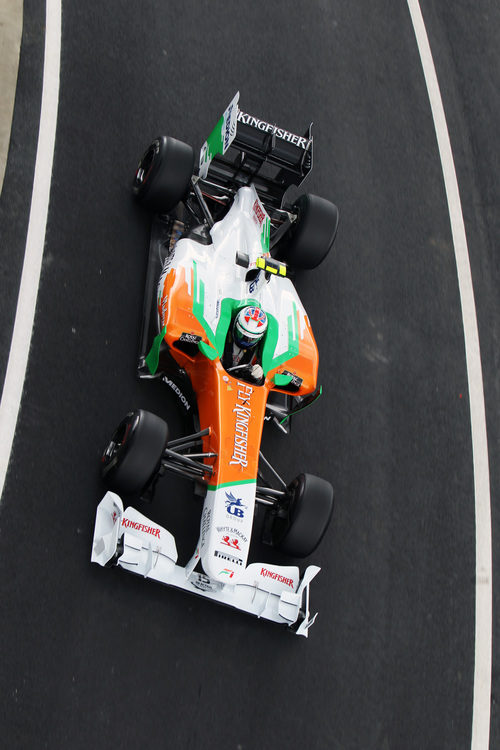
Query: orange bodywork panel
{"x":233,"y":409}
{"x":304,"y":364}
{"x":176,"y":306}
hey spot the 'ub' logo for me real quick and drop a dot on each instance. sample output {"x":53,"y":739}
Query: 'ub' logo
{"x":234,"y":506}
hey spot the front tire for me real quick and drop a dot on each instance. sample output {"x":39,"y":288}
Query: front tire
{"x":309,"y":513}
{"x":133,"y":454}
{"x":163,"y":175}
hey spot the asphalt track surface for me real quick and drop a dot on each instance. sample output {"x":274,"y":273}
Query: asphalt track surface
{"x":94,"y":657}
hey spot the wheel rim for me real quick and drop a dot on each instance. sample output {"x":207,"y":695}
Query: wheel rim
{"x":117,"y":442}
{"x":145,"y":166}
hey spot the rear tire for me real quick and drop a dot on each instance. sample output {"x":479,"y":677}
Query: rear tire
{"x":311,"y":237}
{"x":309,"y":514}
{"x":163,"y":175}
{"x":133,"y":454}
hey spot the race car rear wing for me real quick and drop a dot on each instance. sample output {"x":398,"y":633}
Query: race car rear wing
{"x":243,"y":149}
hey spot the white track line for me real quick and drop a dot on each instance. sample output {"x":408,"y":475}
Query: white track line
{"x":483,"y":636}
{"x":35,"y":239}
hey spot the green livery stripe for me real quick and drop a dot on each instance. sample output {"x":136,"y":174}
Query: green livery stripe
{"x":265,"y":235}
{"x":230,"y":484}
{"x":228,"y":307}
{"x":268,"y":361}
{"x":207,"y":350}
{"x":226,"y":313}
{"x":248,"y":302}
{"x":215,"y":142}
{"x":199,"y":304}
{"x":304,"y":407}
{"x":153,"y":357}
{"x":281,"y":381}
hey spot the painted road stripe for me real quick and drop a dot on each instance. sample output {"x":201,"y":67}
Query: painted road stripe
{"x":483,"y":635}
{"x":35,"y":239}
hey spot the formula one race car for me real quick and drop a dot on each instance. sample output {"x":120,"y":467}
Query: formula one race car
{"x":227,"y":332}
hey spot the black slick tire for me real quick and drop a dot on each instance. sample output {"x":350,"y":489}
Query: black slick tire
{"x":163,"y":175}
{"x":311,"y":237}
{"x":310,"y":512}
{"x":134,"y":452}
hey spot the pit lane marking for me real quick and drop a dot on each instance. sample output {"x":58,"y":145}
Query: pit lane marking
{"x":35,"y":239}
{"x":483,"y":611}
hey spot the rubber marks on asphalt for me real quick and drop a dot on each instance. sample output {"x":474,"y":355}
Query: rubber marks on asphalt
{"x":35,"y":239}
{"x":483,"y":630}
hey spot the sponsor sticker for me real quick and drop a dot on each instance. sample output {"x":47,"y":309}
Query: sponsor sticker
{"x":266,"y":573}
{"x":128,"y":524}
{"x":220,"y":138}
{"x":204,"y":583}
{"x":230,"y":542}
{"x":243,"y":412}
{"x":229,"y":127}
{"x":189,"y":338}
{"x":205,"y":524}
{"x":227,"y":557}
{"x":235,"y":506}
{"x":176,"y":388}
{"x":161,"y":283}
{"x":233,"y":531}
{"x":296,"y":381}
{"x":254,"y":284}
{"x":267,"y":127}
{"x":258,"y":213}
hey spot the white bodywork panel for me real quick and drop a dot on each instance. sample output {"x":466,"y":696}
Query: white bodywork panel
{"x":244,"y":229}
{"x":129,"y":539}
{"x":226,"y":530}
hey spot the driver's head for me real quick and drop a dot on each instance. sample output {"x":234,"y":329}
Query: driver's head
{"x":249,"y":327}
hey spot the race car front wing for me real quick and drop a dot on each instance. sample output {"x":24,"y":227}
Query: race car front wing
{"x":129,"y":539}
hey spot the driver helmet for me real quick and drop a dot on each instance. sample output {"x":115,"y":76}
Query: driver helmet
{"x":249,"y":327}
